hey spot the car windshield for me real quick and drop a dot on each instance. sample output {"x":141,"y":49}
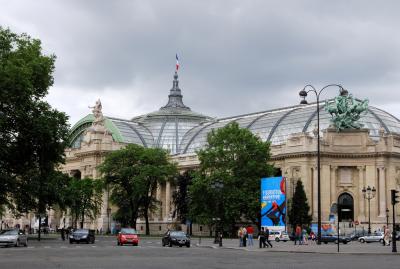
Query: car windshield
{"x":128,"y":231}
{"x":81,"y":231}
{"x":10,"y":232}
{"x":178,"y":234}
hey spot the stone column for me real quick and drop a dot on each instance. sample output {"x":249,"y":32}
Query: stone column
{"x":382,"y":192}
{"x":361,"y":200}
{"x":315,"y":193}
{"x":167,"y":199}
{"x":334,"y":170}
{"x":158,"y":197}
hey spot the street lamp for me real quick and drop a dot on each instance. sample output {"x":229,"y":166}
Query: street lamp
{"x":303,"y":94}
{"x":218,"y":185}
{"x":387,"y":217}
{"x":369,"y":194}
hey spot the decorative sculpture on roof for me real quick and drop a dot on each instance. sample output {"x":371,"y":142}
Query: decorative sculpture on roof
{"x":98,"y":114}
{"x":346,"y":111}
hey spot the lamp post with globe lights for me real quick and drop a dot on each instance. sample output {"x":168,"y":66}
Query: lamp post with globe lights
{"x":303,"y":94}
{"x":369,"y":194}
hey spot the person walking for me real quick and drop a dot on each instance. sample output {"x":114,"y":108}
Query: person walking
{"x":261,"y":238}
{"x":244,"y":237}
{"x":267,"y":237}
{"x":297,"y":234}
{"x":240,"y":236}
{"x":386,"y":236}
{"x":62,"y":234}
{"x":250,"y":232}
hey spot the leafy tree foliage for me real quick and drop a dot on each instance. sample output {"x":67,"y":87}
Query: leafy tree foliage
{"x":84,"y":199}
{"x":32,"y":134}
{"x":181,"y":197}
{"x":132,"y":174}
{"x":299,"y":208}
{"x":238,"y":159}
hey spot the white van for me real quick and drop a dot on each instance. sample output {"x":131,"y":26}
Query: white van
{"x":277,"y":236}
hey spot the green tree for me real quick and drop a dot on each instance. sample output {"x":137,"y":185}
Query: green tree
{"x":299,"y":208}
{"x":84,"y":199}
{"x":32,"y":134}
{"x":227,"y":184}
{"x":181,"y":197}
{"x":132,"y":174}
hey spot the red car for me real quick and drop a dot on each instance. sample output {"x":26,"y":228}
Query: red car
{"x":127,"y":236}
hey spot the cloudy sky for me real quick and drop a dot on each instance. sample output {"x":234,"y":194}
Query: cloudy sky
{"x":236,"y":56}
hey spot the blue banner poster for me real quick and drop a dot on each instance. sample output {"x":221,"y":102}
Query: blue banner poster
{"x":273,"y":202}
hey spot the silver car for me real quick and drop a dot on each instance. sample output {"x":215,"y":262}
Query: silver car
{"x":14,"y":237}
{"x":374,"y":237}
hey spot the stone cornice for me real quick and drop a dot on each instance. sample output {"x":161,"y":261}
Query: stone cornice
{"x":335,"y":155}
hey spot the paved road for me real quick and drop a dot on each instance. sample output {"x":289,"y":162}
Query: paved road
{"x":150,"y":254}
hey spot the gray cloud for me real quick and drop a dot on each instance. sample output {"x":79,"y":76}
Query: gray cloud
{"x":236,"y":56}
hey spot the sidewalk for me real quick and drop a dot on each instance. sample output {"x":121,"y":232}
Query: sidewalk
{"x":330,"y":248}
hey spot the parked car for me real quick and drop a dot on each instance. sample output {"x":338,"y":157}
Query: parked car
{"x":279,"y":236}
{"x":326,"y":238}
{"x":82,"y":235}
{"x":13,"y":237}
{"x":177,"y":238}
{"x":357,"y":234}
{"x":374,"y":237}
{"x":127,"y":236}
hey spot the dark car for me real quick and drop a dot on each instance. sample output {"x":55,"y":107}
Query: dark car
{"x":177,"y":238}
{"x":357,"y":234}
{"x":334,"y":238}
{"x":82,"y":235}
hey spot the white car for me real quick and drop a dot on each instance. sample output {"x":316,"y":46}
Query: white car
{"x":13,"y":237}
{"x":278,"y":236}
{"x":374,"y":237}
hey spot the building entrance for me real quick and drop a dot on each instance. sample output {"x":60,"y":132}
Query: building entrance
{"x":346,"y":207}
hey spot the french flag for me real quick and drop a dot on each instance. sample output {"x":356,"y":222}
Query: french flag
{"x":177,"y":62}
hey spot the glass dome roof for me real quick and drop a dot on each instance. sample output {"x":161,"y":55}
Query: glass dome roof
{"x":179,"y":130}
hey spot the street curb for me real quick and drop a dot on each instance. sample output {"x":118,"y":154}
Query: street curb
{"x":301,"y":251}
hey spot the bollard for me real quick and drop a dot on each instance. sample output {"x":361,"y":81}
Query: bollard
{"x":220,"y":239}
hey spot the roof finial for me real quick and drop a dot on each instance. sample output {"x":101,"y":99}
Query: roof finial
{"x":175,"y":96}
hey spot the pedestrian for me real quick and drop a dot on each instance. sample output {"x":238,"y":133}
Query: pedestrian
{"x":386,"y":236}
{"x":305,"y":236}
{"x":261,"y":238}
{"x":250,"y":232}
{"x":244,"y":237}
{"x":240,"y":236}
{"x":312,"y":236}
{"x":297,"y":234}
{"x":62,"y":234}
{"x":267,"y":237}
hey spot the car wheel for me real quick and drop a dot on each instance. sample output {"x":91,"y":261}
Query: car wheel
{"x":118,"y":244}
{"x":170,"y":244}
{"x":162,"y":243}
{"x":136,"y":244}
{"x":277,"y":239}
{"x":70,"y":241}
{"x":325,"y":243}
{"x":188,"y":246}
{"x":345,"y":242}
{"x":381,"y":241}
{"x":336,"y":241}
{"x":362,"y":240}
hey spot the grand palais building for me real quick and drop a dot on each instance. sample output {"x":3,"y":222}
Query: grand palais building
{"x":350,"y":159}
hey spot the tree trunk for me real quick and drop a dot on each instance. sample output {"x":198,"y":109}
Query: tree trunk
{"x":146,"y":217}
{"x":82,"y":218}
{"x":133,"y":215}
